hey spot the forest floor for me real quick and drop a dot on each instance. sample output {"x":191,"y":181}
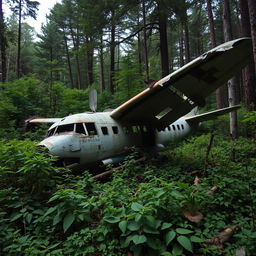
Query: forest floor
{"x":198,"y":201}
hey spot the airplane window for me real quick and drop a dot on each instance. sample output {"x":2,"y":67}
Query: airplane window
{"x":173,"y":127}
{"x":65,"y":128}
{"x":178,"y":127}
{"x":80,"y":128}
{"x":91,"y":129}
{"x":134,"y":129}
{"x":104,"y":130}
{"x":115,"y":129}
{"x":182,"y":126}
{"x":169,"y":128}
{"x":144,"y":128}
{"x":126,"y":130}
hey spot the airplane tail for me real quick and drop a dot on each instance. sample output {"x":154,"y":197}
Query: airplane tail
{"x":210,"y":115}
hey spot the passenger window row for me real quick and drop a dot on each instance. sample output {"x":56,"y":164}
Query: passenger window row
{"x":135,"y":129}
{"x":104,"y":130}
{"x":173,"y":127}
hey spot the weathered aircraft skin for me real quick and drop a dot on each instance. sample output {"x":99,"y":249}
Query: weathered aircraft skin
{"x":162,"y":113}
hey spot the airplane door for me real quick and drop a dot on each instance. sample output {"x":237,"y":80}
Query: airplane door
{"x":107,"y":140}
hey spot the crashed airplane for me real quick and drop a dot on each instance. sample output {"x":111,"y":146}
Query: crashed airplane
{"x":165,"y":112}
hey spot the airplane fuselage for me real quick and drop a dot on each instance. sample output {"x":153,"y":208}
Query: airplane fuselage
{"x":87,"y":138}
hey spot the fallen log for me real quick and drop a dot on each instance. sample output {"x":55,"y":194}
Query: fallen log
{"x":103,"y":174}
{"x":222,"y":237}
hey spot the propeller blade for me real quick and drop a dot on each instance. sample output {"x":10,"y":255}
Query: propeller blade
{"x":93,"y":100}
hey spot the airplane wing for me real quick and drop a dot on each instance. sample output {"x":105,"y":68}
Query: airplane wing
{"x":43,"y":120}
{"x":210,"y":115}
{"x":176,"y":94}
{"x":31,"y":123}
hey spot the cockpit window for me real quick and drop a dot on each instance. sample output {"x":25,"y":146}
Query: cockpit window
{"x":80,"y":128}
{"x":51,"y":132}
{"x":65,"y":128}
{"x":91,"y":129}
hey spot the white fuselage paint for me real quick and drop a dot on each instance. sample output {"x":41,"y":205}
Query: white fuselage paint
{"x":91,"y":148}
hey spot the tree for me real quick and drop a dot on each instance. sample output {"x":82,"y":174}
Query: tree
{"x":232,"y":83}
{"x":249,"y":80}
{"x":252,"y":12}
{"x":3,"y":43}
{"x":162,"y":19}
{"x":220,"y":91}
{"x":23,"y":8}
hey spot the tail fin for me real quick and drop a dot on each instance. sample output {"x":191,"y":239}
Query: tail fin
{"x":210,"y":115}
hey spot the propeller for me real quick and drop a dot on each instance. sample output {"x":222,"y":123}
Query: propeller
{"x":93,"y":100}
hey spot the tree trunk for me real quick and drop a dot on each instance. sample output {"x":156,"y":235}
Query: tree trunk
{"x":211,"y":23}
{"x":112,"y":53}
{"x":145,"y":40}
{"x":186,"y":42}
{"x":163,"y":39}
{"x":232,"y":83}
{"x":252,"y":12}
{"x":102,"y":77}
{"x":2,"y":43}
{"x":181,"y":48}
{"x":89,"y":61}
{"x":69,"y":63}
{"x":76,"y":47}
{"x":19,"y":41}
{"x":249,"y":80}
{"x":220,"y":91}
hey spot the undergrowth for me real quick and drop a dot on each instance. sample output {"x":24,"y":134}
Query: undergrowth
{"x":50,"y":211}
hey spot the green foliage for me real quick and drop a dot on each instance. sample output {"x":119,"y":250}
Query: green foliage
{"x":49,"y":211}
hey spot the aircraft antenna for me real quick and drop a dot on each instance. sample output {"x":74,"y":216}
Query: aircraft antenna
{"x":93,"y":100}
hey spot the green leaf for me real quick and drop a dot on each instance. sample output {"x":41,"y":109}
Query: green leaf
{"x":112,"y":219}
{"x":16,"y":216}
{"x":136,"y":207}
{"x":155,"y":244}
{"x":177,"y":250}
{"x":123,"y":225}
{"x":56,"y":219}
{"x":196,"y":239}
{"x":185,"y":243}
{"x":50,"y":210}
{"x":138,"y":217}
{"x":166,"y":254}
{"x":133,"y":226}
{"x":68,"y":220}
{"x":166,"y":225}
{"x":139,"y":239}
{"x":183,"y":231}
{"x":169,"y":237}
{"x":150,"y":230}
{"x":29,"y":218}
{"x":126,"y":241}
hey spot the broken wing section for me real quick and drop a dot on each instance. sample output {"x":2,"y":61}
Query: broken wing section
{"x":31,"y":123}
{"x":178,"y":93}
{"x":210,"y":115}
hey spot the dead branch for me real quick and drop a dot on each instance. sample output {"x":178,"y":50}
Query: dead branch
{"x":212,"y":190}
{"x":194,"y":172}
{"x":103,"y":174}
{"x":197,"y":181}
{"x":222,"y":237}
